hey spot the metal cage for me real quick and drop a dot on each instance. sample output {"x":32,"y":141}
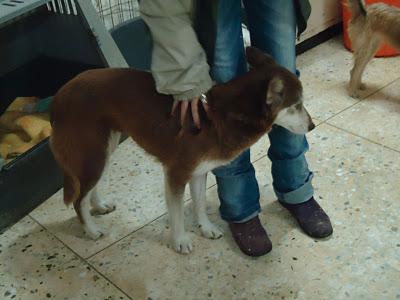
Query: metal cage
{"x":43,"y":44}
{"x":115,"y":12}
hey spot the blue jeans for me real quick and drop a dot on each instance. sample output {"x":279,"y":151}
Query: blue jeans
{"x":272,"y":26}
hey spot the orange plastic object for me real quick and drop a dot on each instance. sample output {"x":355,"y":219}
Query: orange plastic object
{"x":385,"y":50}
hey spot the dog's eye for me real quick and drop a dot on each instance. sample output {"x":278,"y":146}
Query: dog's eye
{"x":299,"y":106}
{"x":291,"y":110}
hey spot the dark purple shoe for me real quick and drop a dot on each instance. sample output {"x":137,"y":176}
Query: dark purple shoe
{"x":251,"y":237}
{"x":311,"y":218}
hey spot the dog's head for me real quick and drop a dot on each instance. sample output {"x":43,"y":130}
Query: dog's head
{"x":284,"y":94}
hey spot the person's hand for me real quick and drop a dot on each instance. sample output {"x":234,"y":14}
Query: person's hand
{"x":194,"y":108}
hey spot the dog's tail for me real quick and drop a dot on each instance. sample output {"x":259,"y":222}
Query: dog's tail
{"x":357,"y":8}
{"x":72,"y":184}
{"x":72,"y":188}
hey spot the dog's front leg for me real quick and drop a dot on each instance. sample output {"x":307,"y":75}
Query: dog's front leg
{"x":179,"y":239}
{"x":198,"y":193}
{"x":362,"y":55}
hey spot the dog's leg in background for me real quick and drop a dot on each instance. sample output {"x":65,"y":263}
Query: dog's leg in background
{"x":179,"y":239}
{"x":198,"y":192}
{"x":101,"y":207}
{"x":363,"y":53}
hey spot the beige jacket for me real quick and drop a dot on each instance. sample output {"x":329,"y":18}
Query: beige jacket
{"x":179,"y":63}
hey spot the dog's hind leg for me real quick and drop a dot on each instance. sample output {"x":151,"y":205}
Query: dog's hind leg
{"x":91,"y":173}
{"x":363,"y":53}
{"x":198,"y":193}
{"x":179,"y":239}
{"x":81,"y":174}
{"x":92,"y":170}
{"x":101,"y":207}
{"x":89,"y":160}
{"x":82,"y":207}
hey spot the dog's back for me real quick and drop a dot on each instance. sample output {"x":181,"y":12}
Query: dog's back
{"x":101,"y":95}
{"x":369,"y":27}
{"x":377,"y":18}
{"x":385,"y":19}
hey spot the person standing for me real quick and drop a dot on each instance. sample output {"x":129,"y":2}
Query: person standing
{"x":198,"y":42}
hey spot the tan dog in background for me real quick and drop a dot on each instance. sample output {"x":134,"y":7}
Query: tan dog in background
{"x":369,"y":27}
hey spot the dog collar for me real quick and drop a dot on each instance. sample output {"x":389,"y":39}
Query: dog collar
{"x":203,"y":99}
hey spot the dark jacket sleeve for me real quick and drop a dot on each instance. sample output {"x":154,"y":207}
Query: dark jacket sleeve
{"x":303,"y":12}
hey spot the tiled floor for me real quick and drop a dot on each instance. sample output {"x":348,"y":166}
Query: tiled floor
{"x":355,"y":154}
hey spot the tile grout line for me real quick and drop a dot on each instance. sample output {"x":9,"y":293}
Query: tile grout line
{"x":130,"y":233}
{"x":81,"y":258}
{"x":154,"y":220}
{"x":358,"y":101}
{"x":326,"y":122}
{"x":116,"y":241}
{"x":363,"y":138}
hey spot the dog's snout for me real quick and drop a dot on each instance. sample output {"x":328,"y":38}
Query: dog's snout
{"x":311,"y":126}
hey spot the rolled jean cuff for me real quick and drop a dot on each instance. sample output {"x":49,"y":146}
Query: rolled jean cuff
{"x":248,"y":218}
{"x":299,"y":195}
{"x":243,"y":217}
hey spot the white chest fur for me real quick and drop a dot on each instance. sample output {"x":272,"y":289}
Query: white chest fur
{"x":206,"y":166}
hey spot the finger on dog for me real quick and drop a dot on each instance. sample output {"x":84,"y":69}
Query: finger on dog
{"x":174,"y":107}
{"x":194,"y":104}
{"x":184,"y":108}
{"x":206,"y":107}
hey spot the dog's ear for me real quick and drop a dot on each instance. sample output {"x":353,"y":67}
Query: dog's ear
{"x":275,"y":92}
{"x":256,"y":57}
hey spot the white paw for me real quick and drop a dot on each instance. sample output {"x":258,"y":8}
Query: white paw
{"x":181,"y":244}
{"x":210,"y":231}
{"x":102,"y":209}
{"x":94,"y":232}
{"x":363,"y":86}
{"x":354,"y":93}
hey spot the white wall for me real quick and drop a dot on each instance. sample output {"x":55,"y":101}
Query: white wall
{"x":325,"y":13}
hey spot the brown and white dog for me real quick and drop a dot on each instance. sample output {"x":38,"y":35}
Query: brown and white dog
{"x":91,"y":110}
{"x":369,"y":27}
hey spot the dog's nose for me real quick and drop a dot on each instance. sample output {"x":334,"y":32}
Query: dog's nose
{"x":311,"y":126}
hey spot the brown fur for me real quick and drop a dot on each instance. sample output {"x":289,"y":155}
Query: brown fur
{"x":369,"y":27}
{"x":97,"y":102}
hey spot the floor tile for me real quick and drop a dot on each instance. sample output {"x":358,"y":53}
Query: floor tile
{"x":356,"y":182}
{"x":376,"y":117}
{"x":133,"y":182}
{"x":324,"y":74}
{"x":34,"y":265}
